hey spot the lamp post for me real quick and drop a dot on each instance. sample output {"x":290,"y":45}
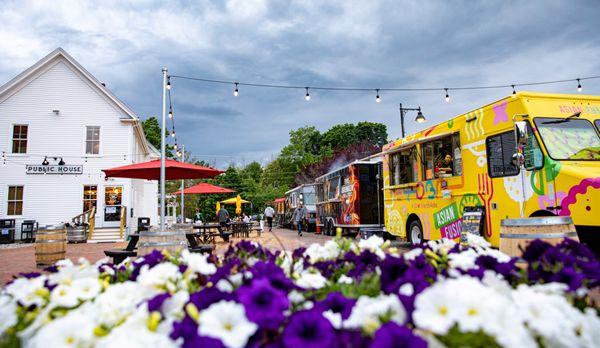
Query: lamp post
{"x":419,"y":119}
{"x":162,"y":152}
{"x":182,"y":187}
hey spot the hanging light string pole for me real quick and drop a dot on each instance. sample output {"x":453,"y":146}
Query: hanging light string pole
{"x":166,"y":85}
{"x":419,"y":119}
{"x":182,"y":187}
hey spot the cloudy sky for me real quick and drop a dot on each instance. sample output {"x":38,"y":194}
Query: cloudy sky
{"x":371,"y":44}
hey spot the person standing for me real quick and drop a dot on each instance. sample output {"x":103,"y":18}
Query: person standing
{"x":198,"y":218}
{"x":299,"y":216}
{"x":269,"y":213}
{"x":223,"y":216}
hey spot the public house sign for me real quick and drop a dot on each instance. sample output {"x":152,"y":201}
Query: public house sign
{"x":54,"y":169}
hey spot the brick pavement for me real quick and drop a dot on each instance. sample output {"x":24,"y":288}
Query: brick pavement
{"x":22,"y":259}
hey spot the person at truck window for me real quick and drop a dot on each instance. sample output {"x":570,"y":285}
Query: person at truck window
{"x":447,"y":166}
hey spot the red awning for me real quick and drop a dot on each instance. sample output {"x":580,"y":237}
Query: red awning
{"x":204,"y":188}
{"x":151,"y":171}
{"x":279,"y":200}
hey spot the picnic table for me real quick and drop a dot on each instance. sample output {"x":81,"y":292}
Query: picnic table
{"x":241,"y":229}
{"x":207,"y":233}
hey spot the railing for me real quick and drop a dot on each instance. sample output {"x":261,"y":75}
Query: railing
{"x":123,"y":221}
{"x":87,"y":219}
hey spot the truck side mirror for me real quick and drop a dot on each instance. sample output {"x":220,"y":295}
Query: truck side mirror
{"x":521,"y":133}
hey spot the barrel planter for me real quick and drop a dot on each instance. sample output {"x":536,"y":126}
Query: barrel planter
{"x":76,"y":234}
{"x":50,"y":245}
{"x":516,"y":234}
{"x":172,"y":241}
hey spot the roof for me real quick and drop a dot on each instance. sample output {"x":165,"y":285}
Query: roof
{"x":279,"y":200}
{"x":59,"y":54}
{"x":204,"y":188}
{"x":373,"y":159}
{"x":299,"y":187}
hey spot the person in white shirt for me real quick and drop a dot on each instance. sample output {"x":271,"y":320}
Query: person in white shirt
{"x":246,"y":219}
{"x":269,"y":213}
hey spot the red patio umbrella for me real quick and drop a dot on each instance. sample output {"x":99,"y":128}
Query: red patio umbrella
{"x":151,"y":171}
{"x":204,"y":188}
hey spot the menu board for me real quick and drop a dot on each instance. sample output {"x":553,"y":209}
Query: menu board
{"x":472,"y":222}
{"x":500,"y":149}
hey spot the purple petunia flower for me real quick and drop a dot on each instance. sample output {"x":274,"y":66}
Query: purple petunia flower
{"x":155,"y":303}
{"x":337,"y":303}
{"x":392,"y":335}
{"x":308,"y":329}
{"x":392,"y":270}
{"x":263,"y":303}
{"x":535,"y":250}
{"x":274,"y":273}
{"x":30,"y":275}
{"x":207,"y":296}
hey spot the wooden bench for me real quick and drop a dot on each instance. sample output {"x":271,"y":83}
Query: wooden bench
{"x":119,"y":255}
{"x":202,"y":248}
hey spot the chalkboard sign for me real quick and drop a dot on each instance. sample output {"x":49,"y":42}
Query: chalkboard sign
{"x":472,"y":222}
{"x":500,"y":149}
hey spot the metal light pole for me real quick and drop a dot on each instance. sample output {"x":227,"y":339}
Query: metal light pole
{"x":419,"y":119}
{"x":162,"y":152}
{"x":182,"y":187}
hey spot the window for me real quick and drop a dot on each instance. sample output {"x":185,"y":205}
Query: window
{"x":19,"y":139}
{"x":92,"y":140}
{"x":403,"y":166}
{"x":597,"y":122}
{"x":569,"y":138}
{"x":500,"y":150}
{"x":90,"y":195}
{"x":442,"y":157}
{"x":15,"y":200}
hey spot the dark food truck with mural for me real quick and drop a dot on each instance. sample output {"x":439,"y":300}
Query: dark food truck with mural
{"x":351,"y":198}
{"x":305,"y":194}
{"x":279,"y":207}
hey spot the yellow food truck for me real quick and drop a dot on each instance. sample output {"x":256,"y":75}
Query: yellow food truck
{"x":529,"y":154}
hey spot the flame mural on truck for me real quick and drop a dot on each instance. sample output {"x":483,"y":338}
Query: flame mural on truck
{"x":350,"y":197}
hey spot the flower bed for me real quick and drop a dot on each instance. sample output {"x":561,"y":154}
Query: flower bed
{"x":340,"y":294}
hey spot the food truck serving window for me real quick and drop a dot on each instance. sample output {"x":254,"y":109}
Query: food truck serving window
{"x":403,"y":166}
{"x":569,"y":138}
{"x":500,"y":150}
{"x":442,"y":157}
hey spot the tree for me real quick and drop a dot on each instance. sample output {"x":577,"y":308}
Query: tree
{"x":375,"y":133}
{"x":152,"y":133}
{"x":340,"y":136}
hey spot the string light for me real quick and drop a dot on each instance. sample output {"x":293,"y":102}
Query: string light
{"x":307,"y":96}
{"x":514,"y":93}
{"x":169,"y":82}
{"x":171,"y":114}
{"x":447,"y":96}
{"x":175,"y":146}
{"x":579,"y":88}
{"x":378,"y":98}
{"x":173,"y":134}
{"x":235,"y":91}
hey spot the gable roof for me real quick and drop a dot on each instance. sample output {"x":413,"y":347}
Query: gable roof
{"x":60,"y":54}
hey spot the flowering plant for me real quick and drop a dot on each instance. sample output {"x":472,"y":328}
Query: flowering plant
{"x":341,"y":293}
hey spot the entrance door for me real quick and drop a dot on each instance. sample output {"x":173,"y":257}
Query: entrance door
{"x":113,"y":196}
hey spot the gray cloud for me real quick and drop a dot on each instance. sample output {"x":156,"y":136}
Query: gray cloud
{"x":371,"y":44}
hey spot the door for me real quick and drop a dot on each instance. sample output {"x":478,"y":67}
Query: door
{"x":113,"y":198}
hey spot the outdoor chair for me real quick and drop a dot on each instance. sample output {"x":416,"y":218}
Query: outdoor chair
{"x":202,"y":248}
{"x":119,"y":255}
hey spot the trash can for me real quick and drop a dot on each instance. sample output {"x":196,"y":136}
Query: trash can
{"x":77,"y":233}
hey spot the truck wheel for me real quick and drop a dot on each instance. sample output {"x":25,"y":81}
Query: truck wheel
{"x":415,"y":233}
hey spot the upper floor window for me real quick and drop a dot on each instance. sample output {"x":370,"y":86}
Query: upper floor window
{"x":442,"y":157}
{"x":19,"y":139}
{"x":403,"y":167}
{"x":15,"y":200}
{"x":92,"y":140}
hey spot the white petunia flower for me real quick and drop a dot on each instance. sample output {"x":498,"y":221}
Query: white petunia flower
{"x":198,"y":263}
{"x":412,"y":254}
{"x":344,"y":279}
{"x":334,"y":318}
{"x":73,"y":330}
{"x":8,"y":313}
{"x":443,"y":245}
{"x":372,"y":244}
{"x":477,"y":241}
{"x":226,"y":320}
{"x":328,"y":251}
{"x":367,"y":312}
{"x":311,"y":279}
{"x":64,"y":296}
{"x":27,"y":291}
{"x":407,"y":289}
{"x":160,"y":276}
{"x":119,"y":301}
{"x":464,"y":260}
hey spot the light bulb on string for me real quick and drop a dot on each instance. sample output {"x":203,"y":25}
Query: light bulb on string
{"x":173,"y":134}
{"x":447,"y":96}
{"x":170,"y":113}
{"x":235,"y":91}
{"x":168,"y":83}
{"x":378,"y":98}
{"x":514,"y":93}
{"x":307,"y":96}
{"x":579,"y":88}
{"x":175,"y":146}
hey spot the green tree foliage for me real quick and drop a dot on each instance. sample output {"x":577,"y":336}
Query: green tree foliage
{"x":152,"y":132}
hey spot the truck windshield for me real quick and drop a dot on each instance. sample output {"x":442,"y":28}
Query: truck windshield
{"x":569,"y":138}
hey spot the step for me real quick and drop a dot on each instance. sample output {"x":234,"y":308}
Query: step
{"x":105,"y":235}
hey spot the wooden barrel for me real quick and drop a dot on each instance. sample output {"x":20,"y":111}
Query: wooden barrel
{"x":50,"y":245}
{"x":172,"y":241}
{"x":516,"y":234}
{"x":76,"y":234}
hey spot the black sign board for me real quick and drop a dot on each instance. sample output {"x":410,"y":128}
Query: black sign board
{"x":54,"y":169}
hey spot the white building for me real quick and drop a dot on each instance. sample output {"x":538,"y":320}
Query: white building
{"x":55,"y":117}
